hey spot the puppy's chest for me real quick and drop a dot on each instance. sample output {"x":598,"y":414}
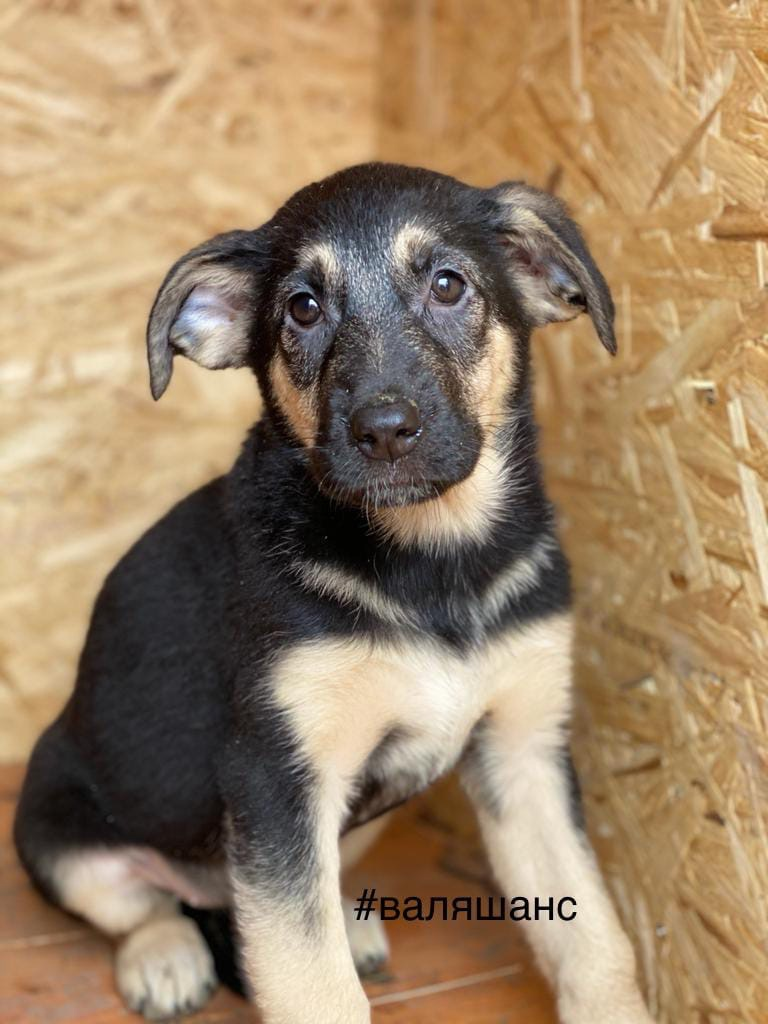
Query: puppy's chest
{"x":405,"y":762}
{"x":389,"y":718}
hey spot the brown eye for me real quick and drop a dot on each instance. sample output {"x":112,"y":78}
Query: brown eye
{"x":304,"y":309}
{"x":448,"y":287}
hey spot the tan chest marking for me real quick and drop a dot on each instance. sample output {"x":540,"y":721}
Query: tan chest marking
{"x":342,"y":696}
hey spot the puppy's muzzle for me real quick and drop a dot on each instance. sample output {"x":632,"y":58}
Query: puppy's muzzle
{"x":386,"y":429}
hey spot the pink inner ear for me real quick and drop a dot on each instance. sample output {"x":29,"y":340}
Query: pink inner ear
{"x":524,"y":256}
{"x":212,"y":325}
{"x":209,"y":305}
{"x":558,"y":279}
{"x":204,"y":314}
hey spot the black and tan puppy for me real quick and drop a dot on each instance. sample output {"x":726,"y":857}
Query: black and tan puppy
{"x":373,"y":594}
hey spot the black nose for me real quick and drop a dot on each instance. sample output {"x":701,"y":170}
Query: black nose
{"x":386,"y":430}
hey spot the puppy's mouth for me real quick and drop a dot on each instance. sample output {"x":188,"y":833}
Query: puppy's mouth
{"x":375,"y":487}
{"x":374,"y":493}
{"x":377,"y":494}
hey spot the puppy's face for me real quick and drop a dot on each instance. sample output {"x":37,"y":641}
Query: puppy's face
{"x":386,"y":311}
{"x":383,"y":318}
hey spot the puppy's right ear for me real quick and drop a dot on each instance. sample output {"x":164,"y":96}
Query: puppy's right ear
{"x":204,"y":309}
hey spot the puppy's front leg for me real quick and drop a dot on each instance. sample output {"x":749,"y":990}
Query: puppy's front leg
{"x":538,"y":852}
{"x":517,"y":772}
{"x":284,"y":857}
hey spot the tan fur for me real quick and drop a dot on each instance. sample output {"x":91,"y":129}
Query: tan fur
{"x":163,"y":963}
{"x":493,"y":379}
{"x":409,"y":242}
{"x":323,"y":257}
{"x":330,"y":581}
{"x":469,"y":509}
{"x":349,"y":588}
{"x":285,"y":955}
{"x":104,"y":887}
{"x":297,"y":406}
{"x":367,"y":937}
{"x":527,"y":221}
{"x":466,"y":511}
{"x":522,"y":575}
{"x":342,"y":696}
{"x":165,"y":967}
{"x":541,"y":304}
{"x":537,"y":853}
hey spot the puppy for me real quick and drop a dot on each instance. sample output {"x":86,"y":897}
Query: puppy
{"x":373,"y":594}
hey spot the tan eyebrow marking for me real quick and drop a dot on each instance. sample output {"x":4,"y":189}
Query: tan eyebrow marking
{"x":322,"y":256}
{"x":409,"y":240}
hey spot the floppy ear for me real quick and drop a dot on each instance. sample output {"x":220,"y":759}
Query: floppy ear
{"x":554,"y":272}
{"x":204,"y":308}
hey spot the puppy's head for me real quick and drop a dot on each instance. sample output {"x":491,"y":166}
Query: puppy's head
{"x":386,"y":311}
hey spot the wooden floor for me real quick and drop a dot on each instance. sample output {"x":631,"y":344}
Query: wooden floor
{"x":53,"y":970}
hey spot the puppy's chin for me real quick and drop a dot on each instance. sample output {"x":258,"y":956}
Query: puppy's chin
{"x":381,"y":485}
{"x":377,"y":494}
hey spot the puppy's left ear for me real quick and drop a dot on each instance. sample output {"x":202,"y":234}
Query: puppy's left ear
{"x":205,"y":306}
{"x":555,"y":275}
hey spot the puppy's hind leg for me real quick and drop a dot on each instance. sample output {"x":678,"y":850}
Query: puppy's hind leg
{"x":367,"y":936}
{"x":163,"y":966}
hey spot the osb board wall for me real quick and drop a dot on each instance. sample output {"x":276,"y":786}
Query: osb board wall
{"x":651,"y":120}
{"x":130,"y":132}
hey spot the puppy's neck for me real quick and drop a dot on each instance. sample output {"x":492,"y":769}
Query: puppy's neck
{"x":466,"y":512}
